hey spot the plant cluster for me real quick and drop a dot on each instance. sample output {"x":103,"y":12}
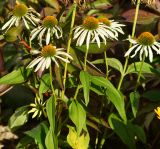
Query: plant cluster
{"x":80,"y":76}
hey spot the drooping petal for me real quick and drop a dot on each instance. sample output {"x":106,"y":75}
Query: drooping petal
{"x":130,"y":50}
{"x":150,"y":54}
{"x":48,"y":36}
{"x":136,"y":51}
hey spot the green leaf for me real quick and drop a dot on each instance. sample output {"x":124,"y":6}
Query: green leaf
{"x":121,"y":130}
{"x":100,"y":3}
{"x":77,"y":114}
{"x":44,"y":84}
{"x":135,"y":68}
{"x":39,"y":133}
{"x":51,"y":141}
{"x":85,"y":80}
{"x":77,"y":142}
{"x":15,"y":77}
{"x":94,"y":49}
{"x":113,"y":95}
{"x":116,"y":64}
{"x":112,"y":62}
{"x":51,"y":110}
{"x":134,"y":98}
{"x":19,"y":118}
{"x":152,"y":95}
{"x":139,"y":132}
{"x":128,"y":133}
{"x":53,"y":3}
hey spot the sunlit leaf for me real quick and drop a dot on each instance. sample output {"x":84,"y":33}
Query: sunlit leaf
{"x":113,"y":95}
{"x":19,"y":118}
{"x":135,"y":68}
{"x":51,"y":141}
{"x":39,"y":133}
{"x":85,"y":80}
{"x":15,"y":77}
{"x":77,"y":142}
{"x":77,"y":114}
{"x":51,"y":109}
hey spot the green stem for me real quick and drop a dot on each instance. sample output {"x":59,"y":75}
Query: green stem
{"x":106,"y":62}
{"x":85,"y":59}
{"x":51,"y":78}
{"x":68,"y":48}
{"x":139,"y":73}
{"x":77,"y":91}
{"x":133,"y":33}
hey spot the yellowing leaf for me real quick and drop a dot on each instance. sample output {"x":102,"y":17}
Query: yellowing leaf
{"x":77,"y":142}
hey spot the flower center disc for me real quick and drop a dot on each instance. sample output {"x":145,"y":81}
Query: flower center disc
{"x":48,"y":51}
{"x":49,"y":21}
{"x":146,"y":39}
{"x":90,"y":23}
{"x":105,"y":21}
{"x":20,"y":10}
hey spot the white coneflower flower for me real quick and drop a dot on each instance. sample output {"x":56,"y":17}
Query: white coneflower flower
{"x":144,"y":44}
{"x":38,"y":108}
{"x":92,"y":30}
{"x":49,"y":27}
{"x":21,"y":13}
{"x":48,"y":54}
{"x":113,"y":26}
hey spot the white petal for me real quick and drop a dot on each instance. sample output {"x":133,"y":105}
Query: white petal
{"x":64,"y":53}
{"x":138,"y":49}
{"x":35,"y":32}
{"x":61,"y":58}
{"x":82,"y":38}
{"x":130,"y":50}
{"x":102,"y":36}
{"x":34,"y":62}
{"x":8,"y":23}
{"x":41,"y":35}
{"x":55,"y":61}
{"x":78,"y":33}
{"x":141,"y":53}
{"x":156,"y":49}
{"x":25,"y":22}
{"x":88,"y":39}
{"x":150,"y":54}
{"x":77,"y":29}
{"x":132,"y":40}
{"x":41,"y":63}
{"x":146,"y":51}
{"x":97,"y":39}
{"x":48,"y":62}
{"x":48,"y":37}
{"x":26,"y":16}
{"x":58,"y":32}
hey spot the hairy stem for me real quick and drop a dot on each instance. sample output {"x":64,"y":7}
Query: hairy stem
{"x":68,"y":48}
{"x":133,"y":33}
{"x":106,"y":62}
{"x":139,"y":73}
{"x":85,"y":59}
{"x":51,"y":78}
